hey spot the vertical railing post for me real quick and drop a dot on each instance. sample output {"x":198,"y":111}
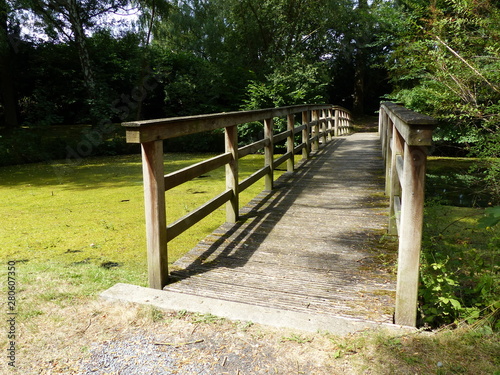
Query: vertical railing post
{"x":269,"y":153}
{"x":231,"y":141}
{"x":315,"y":119}
{"x":290,"y":142}
{"x":345,"y":123}
{"x":154,"y":204}
{"x":306,"y":137}
{"x":336,"y":132}
{"x":392,"y":181}
{"x":329,"y":113}
{"x":390,"y":133}
{"x":410,"y":237}
{"x":323,"y":125}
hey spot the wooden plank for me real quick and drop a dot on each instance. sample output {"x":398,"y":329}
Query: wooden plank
{"x":298,"y":148}
{"x":395,"y":176}
{"x":281,"y":136}
{"x":231,"y":141}
{"x":337,"y":124}
{"x":306,"y":135}
{"x":290,"y":122}
{"x":201,"y":212}
{"x":282,"y":159}
{"x":269,"y":153}
{"x":299,"y":129}
{"x":151,"y":130}
{"x":186,"y":174}
{"x":323,"y":125}
{"x":397,"y":212}
{"x":331,"y":121}
{"x":410,"y":238}
{"x":399,"y":166}
{"x":327,"y":270}
{"x":253,"y":178}
{"x":154,"y":204}
{"x":415,"y":128}
{"x":253,"y":147}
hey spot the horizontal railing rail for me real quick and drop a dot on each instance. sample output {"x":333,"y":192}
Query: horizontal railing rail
{"x":405,"y":136}
{"x":317,"y":125}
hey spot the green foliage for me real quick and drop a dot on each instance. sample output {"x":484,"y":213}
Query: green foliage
{"x":446,"y":63}
{"x":491,"y":218}
{"x":446,"y":60}
{"x":295,"y":82}
{"x":459,"y":268}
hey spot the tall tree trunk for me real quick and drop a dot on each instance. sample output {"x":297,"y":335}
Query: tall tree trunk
{"x":8,"y":94}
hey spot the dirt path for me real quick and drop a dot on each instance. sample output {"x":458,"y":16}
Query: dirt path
{"x":101,"y":338}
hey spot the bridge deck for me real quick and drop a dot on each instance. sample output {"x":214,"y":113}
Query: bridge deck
{"x":308,"y":246}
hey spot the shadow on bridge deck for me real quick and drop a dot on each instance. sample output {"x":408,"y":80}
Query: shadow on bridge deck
{"x":301,"y":255}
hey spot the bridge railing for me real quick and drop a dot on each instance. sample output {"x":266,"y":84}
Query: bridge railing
{"x":406,"y":137}
{"x":316,"y":124}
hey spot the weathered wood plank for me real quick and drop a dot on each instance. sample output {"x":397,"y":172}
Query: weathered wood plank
{"x":281,"y":136}
{"x":253,"y":147}
{"x":282,"y":159}
{"x":151,"y":130}
{"x":186,"y":174}
{"x":193,"y":217}
{"x":253,"y":178}
{"x":154,"y":203}
{"x":410,"y":239}
{"x":327,"y":268}
{"x":269,"y":153}
{"x":290,"y":123}
{"x":231,"y":142}
{"x":415,"y":128}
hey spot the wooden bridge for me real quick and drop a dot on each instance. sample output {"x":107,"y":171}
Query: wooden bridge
{"x":307,"y":245}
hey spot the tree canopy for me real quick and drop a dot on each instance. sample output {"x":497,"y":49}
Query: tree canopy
{"x":66,"y":62}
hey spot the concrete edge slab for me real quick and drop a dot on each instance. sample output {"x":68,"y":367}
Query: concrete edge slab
{"x":167,"y":300}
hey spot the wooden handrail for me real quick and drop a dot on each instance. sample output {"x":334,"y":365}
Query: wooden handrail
{"x":319,"y":123}
{"x":405,"y":136}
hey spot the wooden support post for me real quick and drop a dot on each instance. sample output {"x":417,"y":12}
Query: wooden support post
{"x":345,"y":123}
{"x":323,"y":126}
{"x":269,"y":153}
{"x":290,"y":142}
{"x":381,"y":126}
{"x":329,"y":114}
{"x":336,"y":132}
{"x":156,"y":222}
{"x":306,"y":135}
{"x":231,"y":140}
{"x":392,"y":182}
{"x":410,"y":238}
{"x":390,"y":132}
{"x":315,"y":117}
{"x":382,"y":133}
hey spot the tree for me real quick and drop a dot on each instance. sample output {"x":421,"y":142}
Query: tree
{"x":68,"y":20}
{"x":8,"y":43}
{"x":447,"y":64}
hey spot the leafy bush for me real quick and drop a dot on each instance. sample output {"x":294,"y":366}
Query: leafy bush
{"x":459,"y":268}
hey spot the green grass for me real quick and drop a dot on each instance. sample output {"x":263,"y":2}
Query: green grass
{"x":80,"y":228}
